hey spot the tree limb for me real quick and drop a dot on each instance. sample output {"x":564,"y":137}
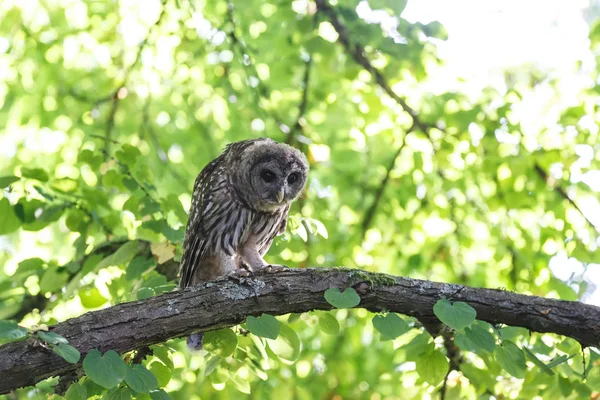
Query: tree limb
{"x":358,"y":54}
{"x":223,"y":303}
{"x":550,"y":181}
{"x":370,"y":213}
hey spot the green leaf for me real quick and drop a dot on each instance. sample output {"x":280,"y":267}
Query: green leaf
{"x":30,"y":266}
{"x":329,"y":324}
{"x":52,"y":280}
{"x":421,"y":344}
{"x":77,"y":220}
{"x":287,"y":346}
{"x":240,"y":383}
{"x":121,"y":393}
{"x":138,"y":266}
{"x":161,"y":226}
{"x":122,"y":256}
{"x":140,"y":379}
{"x":51,"y":337}
{"x":128,"y":155}
{"x":91,"y":298}
{"x":161,"y":372}
{"x":511,"y":358}
{"x":64,"y":185}
{"x":222,"y":342}
{"x":539,"y":363}
{"x":144,"y":293}
{"x":301,"y":231}
{"x":390,"y":325}
{"x":8,"y":220}
{"x":76,"y":392}
{"x":346,"y":299}
{"x":432,"y":367}
{"x":48,"y":215}
{"x":10,"y":331}
{"x":68,"y":352}
{"x":88,"y":157}
{"x":266,"y":326}
{"x":162,"y":353}
{"x":159,"y":395}
{"x":476,"y":338}
{"x":435,"y":29}
{"x":457,"y":316}
{"x":34,"y":173}
{"x":107,"y":370}
{"x":559,"y":360}
{"x":6,"y":181}
{"x":565,"y":386}
{"x":212,"y":364}
{"x":293,"y":318}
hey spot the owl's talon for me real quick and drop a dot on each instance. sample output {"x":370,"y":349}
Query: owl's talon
{"x":238,"y":274}
{"x":273,"y":268}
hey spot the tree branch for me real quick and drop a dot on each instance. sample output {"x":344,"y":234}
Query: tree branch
{"x":298,"y":126}
{"x":370,"y":213}
{"x":358,"y":54}
{"x":550,"y":181}
{"x":218,"y":304}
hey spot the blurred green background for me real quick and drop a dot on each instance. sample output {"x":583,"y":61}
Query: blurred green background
{"x":109,"y":110}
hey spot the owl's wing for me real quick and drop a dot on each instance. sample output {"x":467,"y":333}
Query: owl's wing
{"x":195,"y":242}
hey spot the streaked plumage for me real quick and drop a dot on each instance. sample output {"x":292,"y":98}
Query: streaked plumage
{"x":240,"y":203}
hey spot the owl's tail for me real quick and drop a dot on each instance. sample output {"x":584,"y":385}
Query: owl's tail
{"x":194,"y":341}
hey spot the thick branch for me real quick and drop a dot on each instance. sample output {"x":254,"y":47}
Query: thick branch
{"x":224,"y":303}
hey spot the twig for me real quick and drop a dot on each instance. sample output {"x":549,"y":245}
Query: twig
{"x":558,"y":189}
{"x":93,"y":135}
{"x":358,"y":53}
{"x":110,"y":123}
{"x":120,"y":92}
{"x":370,"y":213}
{"x":261,"y":91}
{"x":298,"y":126}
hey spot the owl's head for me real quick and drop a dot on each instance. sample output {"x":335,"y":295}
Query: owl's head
{"x":266,"y":174}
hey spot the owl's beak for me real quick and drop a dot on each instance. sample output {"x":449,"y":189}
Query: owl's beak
{"x":280,"y":195}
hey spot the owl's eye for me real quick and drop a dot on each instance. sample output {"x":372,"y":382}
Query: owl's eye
{"x":293,"y":177}
{"x":267,"y":176}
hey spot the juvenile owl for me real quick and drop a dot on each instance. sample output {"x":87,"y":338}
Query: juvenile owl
{"x":240,"y":203}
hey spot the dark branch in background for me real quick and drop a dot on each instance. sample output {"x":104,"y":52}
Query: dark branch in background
{"x":261,"y":91}
{"x":357,"y":52}
{"x":298,"y":126}
{"x":119,"y":93}
{"x":110,"y":122}
{"x":370,"y":213}
{"x":218,"y":304}
{"x":514,"y":254}
{"x":550,"y":181}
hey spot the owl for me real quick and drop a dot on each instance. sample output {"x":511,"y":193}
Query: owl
{"x":240,"y":203}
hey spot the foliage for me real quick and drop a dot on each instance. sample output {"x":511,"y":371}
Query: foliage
{"x":110,"y":109}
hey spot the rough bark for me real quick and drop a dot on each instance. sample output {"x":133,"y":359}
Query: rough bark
{"x":223,"y":303}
